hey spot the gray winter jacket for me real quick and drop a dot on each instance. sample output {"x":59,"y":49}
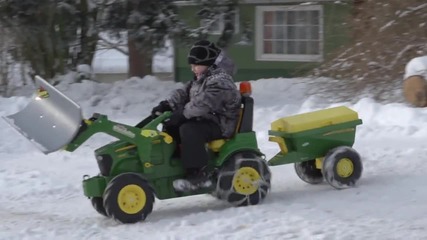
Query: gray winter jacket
{"x":213,"y":97}
{"x":225,"y":62}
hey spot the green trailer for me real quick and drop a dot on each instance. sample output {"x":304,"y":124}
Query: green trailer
{"x":320,"y":144}
{"x":141,"y":165}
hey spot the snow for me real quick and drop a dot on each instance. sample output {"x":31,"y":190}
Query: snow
{"x":114,"y":61}
{"x":110,"y":61}
{"x":417,"y":66}
{"x":41,"y":195}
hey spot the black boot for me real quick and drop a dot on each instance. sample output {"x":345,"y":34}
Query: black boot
{"x":195,"y":180}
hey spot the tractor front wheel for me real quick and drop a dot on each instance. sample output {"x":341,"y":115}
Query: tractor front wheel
{"x":342,"y":167}
{"x":98,"y":205}
{"x":308,"y":172}
{"x":128,"y":198}
{"x":244,"y":180}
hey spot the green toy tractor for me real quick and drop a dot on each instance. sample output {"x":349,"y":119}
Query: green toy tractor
{"x":141,"y":165}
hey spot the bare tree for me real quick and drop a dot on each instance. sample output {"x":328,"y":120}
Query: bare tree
{"x":386,"y":34}
{"x":5,"y":62}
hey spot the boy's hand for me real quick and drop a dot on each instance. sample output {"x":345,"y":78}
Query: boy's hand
{"x":161,"y":108}
{"x":175,"y":119}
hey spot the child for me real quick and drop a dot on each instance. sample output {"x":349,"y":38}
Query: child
{"x":205,"y":109}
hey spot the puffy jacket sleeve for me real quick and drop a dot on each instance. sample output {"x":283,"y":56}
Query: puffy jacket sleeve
{"x":179,"y":97}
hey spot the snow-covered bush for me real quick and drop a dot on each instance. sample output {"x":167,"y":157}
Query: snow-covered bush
{"x":386,"y":34}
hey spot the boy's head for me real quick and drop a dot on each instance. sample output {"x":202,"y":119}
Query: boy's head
{"x":203,"y":53}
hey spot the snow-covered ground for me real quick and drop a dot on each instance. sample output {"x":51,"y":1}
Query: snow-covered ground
{"x":41,"y":195}
{"x":113,"y":61}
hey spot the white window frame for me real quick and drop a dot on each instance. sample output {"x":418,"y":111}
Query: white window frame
{"x":221,"y":24}
{"x":259,"y":43}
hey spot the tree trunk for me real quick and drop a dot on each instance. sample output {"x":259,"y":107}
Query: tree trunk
{"x":139,"y":63}
{"x":89,"y":37}
{"x":4,"y":62}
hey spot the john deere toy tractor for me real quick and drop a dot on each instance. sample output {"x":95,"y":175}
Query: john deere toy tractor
{"x":141,"y":165}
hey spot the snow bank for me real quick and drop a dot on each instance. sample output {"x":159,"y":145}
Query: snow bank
{"x":417,"y":66}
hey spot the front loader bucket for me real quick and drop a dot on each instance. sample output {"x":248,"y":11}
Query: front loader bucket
{"x":51,"y":119}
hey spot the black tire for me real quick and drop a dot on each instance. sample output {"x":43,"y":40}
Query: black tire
{"x":128,"y":198}
{"x":342,"y":167}
{"x":98,"y":205}
{"x":308,"y":172}
{"x":233,"y":185}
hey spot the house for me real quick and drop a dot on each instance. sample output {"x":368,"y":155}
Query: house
{"x":110,"y":65}
{"x":274,"y":38}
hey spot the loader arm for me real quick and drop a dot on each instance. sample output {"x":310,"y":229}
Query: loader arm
{"x":52,"y":121}
{"x":100,"y":123}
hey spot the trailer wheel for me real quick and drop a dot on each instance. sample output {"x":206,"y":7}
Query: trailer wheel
{"x":308,"y":172}
{"x":342,"y":167}
{"x":128,"y":198}
{"x":98,"y":205}
{"x":243,"y":180}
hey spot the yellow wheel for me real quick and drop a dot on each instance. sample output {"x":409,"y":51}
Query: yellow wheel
{"x":243,"y":180}
{"x":128,"y":198}
{"x":345,"y":167}
{"x":246,"y":180}
{"x":131,"y":199}
{"x":342,"y":167}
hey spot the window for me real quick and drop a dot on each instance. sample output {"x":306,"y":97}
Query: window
{"x":217,"y":24}
{"x":289,"y":33}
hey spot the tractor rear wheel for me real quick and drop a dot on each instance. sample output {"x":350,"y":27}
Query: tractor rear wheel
{"x":308,"y":172}
{"x":244,"y":180}
{"x":98,"y":205}
{"x":342,"y":167}
{"x":128,"y":198}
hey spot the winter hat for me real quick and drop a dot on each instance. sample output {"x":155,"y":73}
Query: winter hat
{"x":203,"y":53}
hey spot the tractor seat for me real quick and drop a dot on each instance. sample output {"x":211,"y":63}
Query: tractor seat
{"x":245,"y":117}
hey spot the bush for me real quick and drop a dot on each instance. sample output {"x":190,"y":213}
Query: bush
{"x":386,"y":35}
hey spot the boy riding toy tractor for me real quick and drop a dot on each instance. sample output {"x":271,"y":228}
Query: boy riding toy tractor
{"x":141,"y":165}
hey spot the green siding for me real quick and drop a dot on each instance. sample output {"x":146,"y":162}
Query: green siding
{"x":336,"y":33}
